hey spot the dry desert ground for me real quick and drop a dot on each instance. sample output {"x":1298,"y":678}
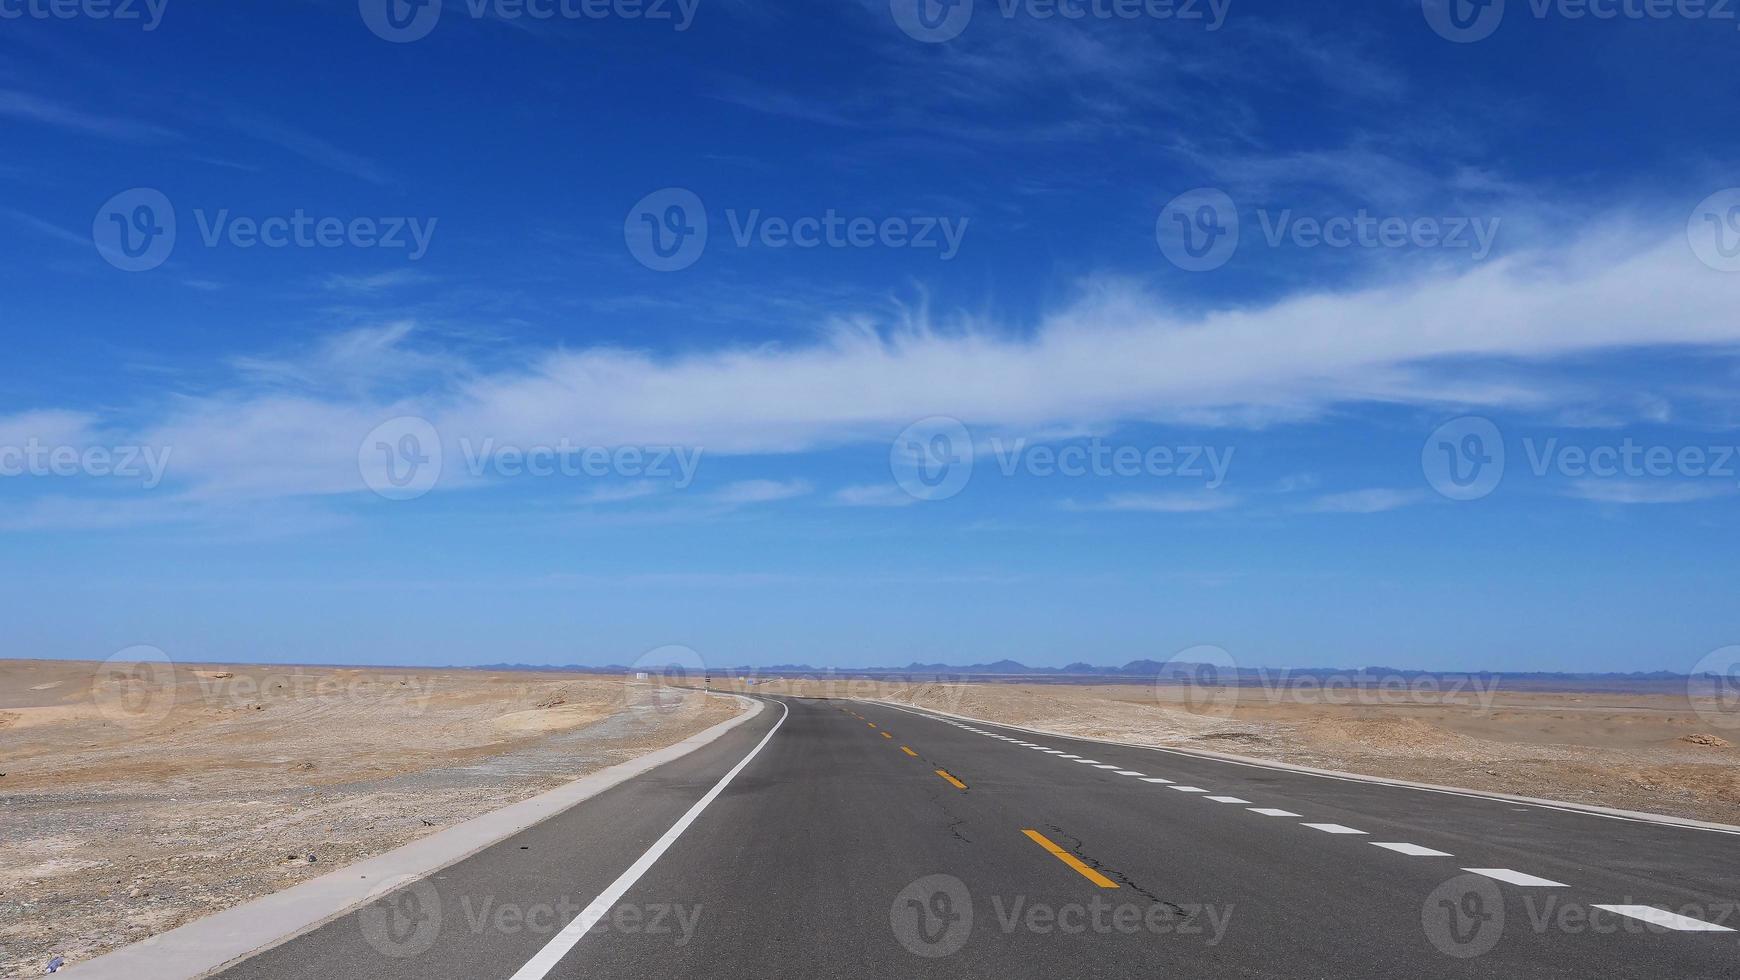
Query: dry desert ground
{"x":134,"y":800}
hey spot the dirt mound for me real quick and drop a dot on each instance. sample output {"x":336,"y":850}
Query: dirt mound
{"x":1699,"y":738}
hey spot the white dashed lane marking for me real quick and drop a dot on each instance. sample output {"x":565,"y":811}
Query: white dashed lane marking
{"x":1516,"y":878}
{"x":1663,"y":918}
{"x":1660,"y":918}
{"x":1644,"y":913}
{"x":1412,"y":850}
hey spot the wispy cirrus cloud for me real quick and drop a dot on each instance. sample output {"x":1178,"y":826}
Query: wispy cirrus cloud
{"x":290,"y":424}
{"x":746,"y":492}
{"x":35,"y":108}
{"x":373,"y":282}
{"x":874,"y":495}
{"x":1647,"y":491}
{"x":1158,"y":503}
{"x":1371,"y":501}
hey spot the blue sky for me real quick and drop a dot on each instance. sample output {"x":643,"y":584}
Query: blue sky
{"x":1009,"y":400}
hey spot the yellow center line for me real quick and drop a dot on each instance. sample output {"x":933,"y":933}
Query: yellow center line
{"x":1071,"y":860}
{"x":957,"y":784}
{"x":909,"y":751}
{"x":886,"y":735}
{"x":871,"y":724}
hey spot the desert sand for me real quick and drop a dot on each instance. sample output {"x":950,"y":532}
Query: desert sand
{"x":135,"y":798}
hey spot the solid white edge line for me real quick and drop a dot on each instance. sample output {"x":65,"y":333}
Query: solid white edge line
{"x":546,"y":959}
{"x":213,"y":943}
{"x":1663,"y":918}
{"x":1606,"y":813}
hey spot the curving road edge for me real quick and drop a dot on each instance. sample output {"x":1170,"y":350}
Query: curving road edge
{"x":206,"y":945}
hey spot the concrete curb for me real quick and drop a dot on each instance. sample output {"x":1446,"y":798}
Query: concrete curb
{"x":207,"y":945}
{"x":1611,"y":813}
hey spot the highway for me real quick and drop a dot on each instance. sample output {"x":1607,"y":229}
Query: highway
{"x":843,"y":839}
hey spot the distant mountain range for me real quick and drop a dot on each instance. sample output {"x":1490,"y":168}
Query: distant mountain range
{"x":1135,"y":669}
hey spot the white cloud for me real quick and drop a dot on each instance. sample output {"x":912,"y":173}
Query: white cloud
{"x":1159,"y":503}
{"x":874,"y":495}
{"x":616,"y":494}
{"x":48,"y":427}
{"x":748,"y":492}
{"x":1373,"y":501}
{"x":1646,"y":492}
{"x":376,"y":282}
{"x":292,"y":425}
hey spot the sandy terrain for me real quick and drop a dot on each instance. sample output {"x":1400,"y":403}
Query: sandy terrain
{"x":138,"y":798}
{"x":1659,"y":753}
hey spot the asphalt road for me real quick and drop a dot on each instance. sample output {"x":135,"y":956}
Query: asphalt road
{"x":856,"y":840}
